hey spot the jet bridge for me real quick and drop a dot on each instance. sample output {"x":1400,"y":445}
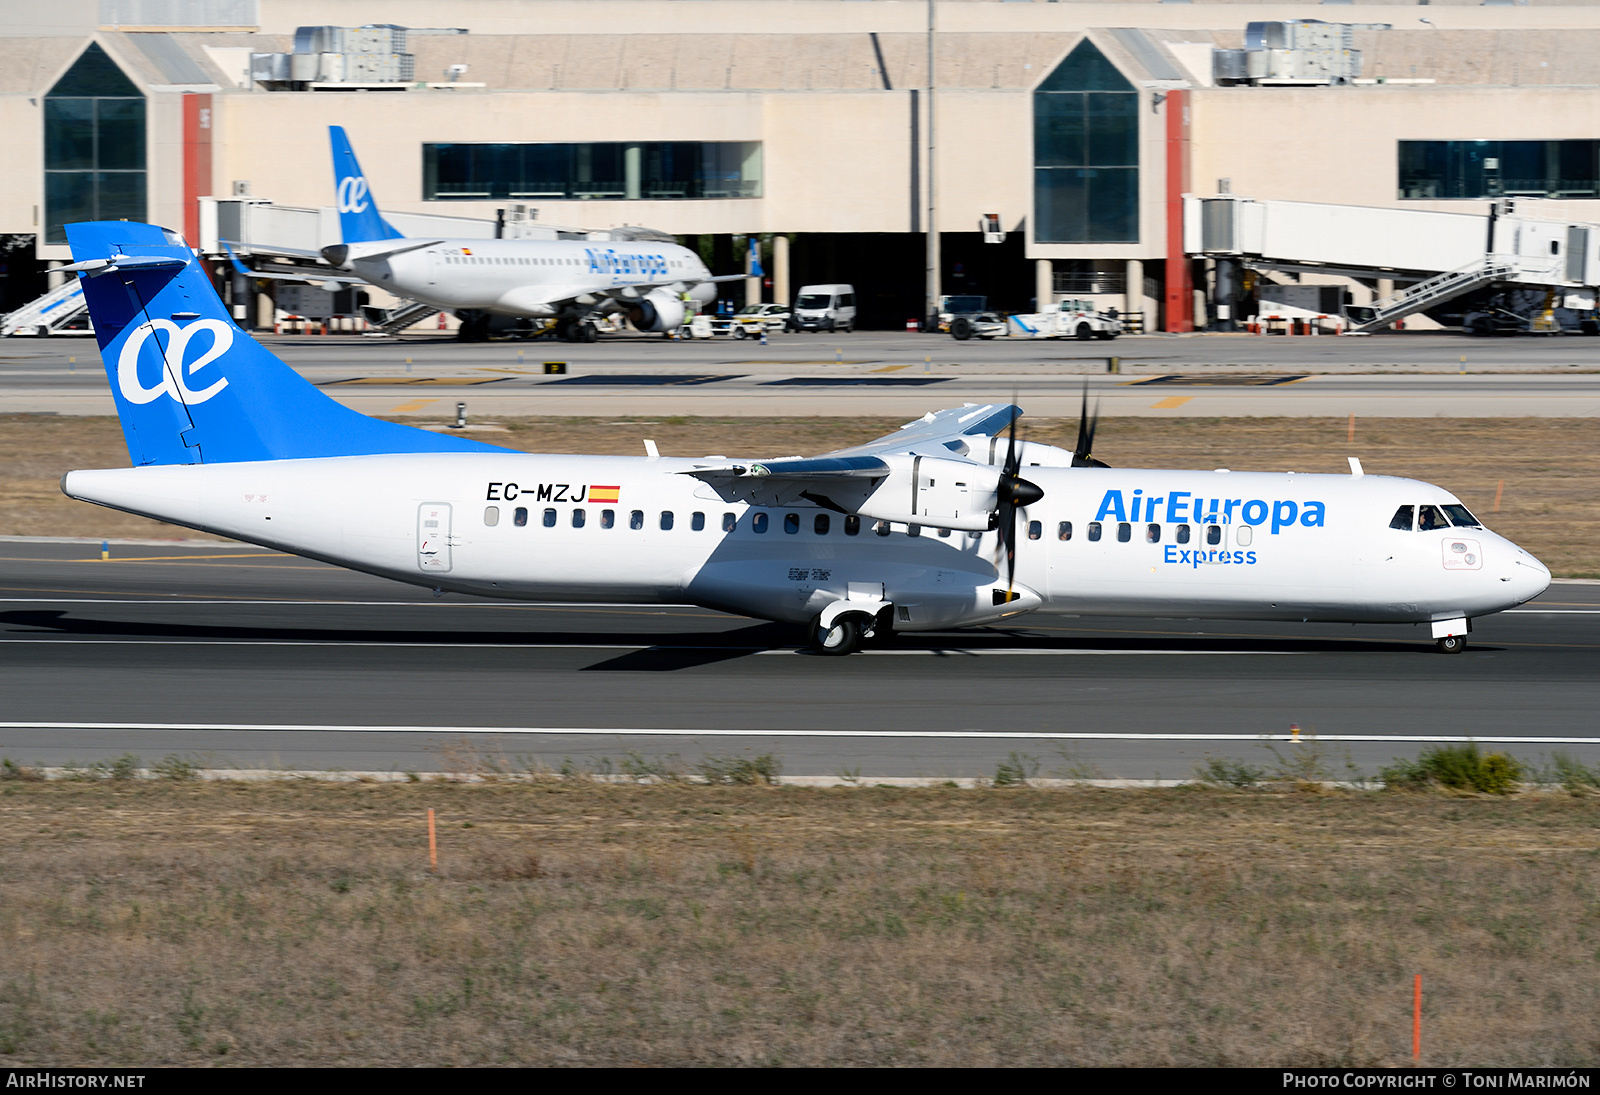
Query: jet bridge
{"x":1441,"y":255}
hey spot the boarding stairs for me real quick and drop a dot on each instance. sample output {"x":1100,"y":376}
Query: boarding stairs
{"x":1426,"y":294}
{"x":48,"y":314}
{"x":395,"y":320}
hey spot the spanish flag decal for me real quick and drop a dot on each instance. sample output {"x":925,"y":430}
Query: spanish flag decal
{"x":466,"y":250}
{"x":604,"y":494}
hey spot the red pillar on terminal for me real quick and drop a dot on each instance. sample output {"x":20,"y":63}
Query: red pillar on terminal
{"x":1179,"y":280}
{"x":196,"y":162}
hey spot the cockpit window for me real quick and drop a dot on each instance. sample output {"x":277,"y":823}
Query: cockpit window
{"x":1461,"y":517}
{"x":1430,"y":519}
{"x":1402,"y":518}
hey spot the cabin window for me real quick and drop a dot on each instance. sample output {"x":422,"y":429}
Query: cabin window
{"x":1431,"y":519}
{"x":881,"y":528}
{"x":852,"y":525}
{"x":1094,"y":530}
{"x":549,"y":518}
{"x":791,"y":523}
{"x":1245,"y":535}
{"x":636,"y":519}
{"x":491,"y":515}
{"x":519,"y":516}
{"x":608,"y":518}
{"x":1035,"y":530}
{"x":944,"y":534}
{"x":1181,"y":534}
{"x":1213,"y":534}
{"x":1402,"y":519}
{"x":1462,"y":517}
{"x":1064,"y":530}
{"x":666,"y":520}
{"x":820,"y":524}
{"x":697,"y":522}
{"x":913,"y":530}
{"x":579,"y":516}
{"x":1124,"y":532}
{"x":729,"y":522}
{"x":1152,"y":533}
{"x":758,"y":523}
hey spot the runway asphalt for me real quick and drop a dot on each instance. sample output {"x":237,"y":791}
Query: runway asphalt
{"x":1397,"y":375}
{"x":250,"y":658}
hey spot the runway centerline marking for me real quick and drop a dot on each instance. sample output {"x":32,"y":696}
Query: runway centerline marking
{"x":937,"y":735}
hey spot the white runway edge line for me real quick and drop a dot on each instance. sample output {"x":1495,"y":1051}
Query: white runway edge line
{"x":940,"y":735}
{"x":514,"y":645}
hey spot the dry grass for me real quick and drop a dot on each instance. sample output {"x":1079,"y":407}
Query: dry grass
{"x":576,"y":923}
{"x":1549,"y":466}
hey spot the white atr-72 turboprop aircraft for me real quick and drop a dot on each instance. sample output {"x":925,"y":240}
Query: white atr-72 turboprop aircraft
{"x":653,"y":283}
{"x":932,"y":527}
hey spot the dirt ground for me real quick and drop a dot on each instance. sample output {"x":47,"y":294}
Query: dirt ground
{"x":1542,"y":470}
{"x":156,"y":922}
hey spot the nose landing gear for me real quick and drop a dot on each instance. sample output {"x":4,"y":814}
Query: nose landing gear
{"x":1452,"y":644}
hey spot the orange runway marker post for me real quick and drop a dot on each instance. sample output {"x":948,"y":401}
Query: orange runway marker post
{"x":433,"y":844}
{"x":1352,"y":436}
{"x":1499,"y":488}
{"x":1416,"y":1020}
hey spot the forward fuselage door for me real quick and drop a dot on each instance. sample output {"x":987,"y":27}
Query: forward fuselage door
{"x":433,"y":537}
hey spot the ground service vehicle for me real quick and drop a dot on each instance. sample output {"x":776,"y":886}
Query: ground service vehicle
{"x":753,"y":319}
{"x":1069,"y":319}
{"x":825,"y":308}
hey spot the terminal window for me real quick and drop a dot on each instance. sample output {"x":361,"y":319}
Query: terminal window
{"x":603,"y":170}
{"x":1432,"y":170}
{"x":94,"y":146}
{"x":1086,"y":152}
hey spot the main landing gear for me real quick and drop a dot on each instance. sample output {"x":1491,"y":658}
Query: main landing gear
{"x":573,"y":330}
{"x":847,"y":633}
{"x":1452,"y":644}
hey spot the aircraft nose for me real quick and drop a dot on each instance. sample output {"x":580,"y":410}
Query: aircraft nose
{"x":1529,"y":577}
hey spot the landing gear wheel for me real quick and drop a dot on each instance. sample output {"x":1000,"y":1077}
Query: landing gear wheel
{"x":843,"y":637}
{"x":564,"y":330}
{"x":1452,"y":644}
{"x":474,"y":327}
{"x":587,"y":332}
{"x":1084,"y":334}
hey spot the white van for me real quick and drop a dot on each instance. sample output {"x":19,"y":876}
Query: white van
{"x":825,"y":308}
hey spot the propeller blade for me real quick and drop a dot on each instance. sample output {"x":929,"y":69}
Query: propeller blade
{"x":1082,"y":455}
{"x":1012,"y":492}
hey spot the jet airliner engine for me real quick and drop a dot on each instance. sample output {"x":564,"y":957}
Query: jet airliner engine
{"x":657,"y":310}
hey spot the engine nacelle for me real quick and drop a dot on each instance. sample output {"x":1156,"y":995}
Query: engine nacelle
{"x":925,"y":490}
{"x":657,"y":310}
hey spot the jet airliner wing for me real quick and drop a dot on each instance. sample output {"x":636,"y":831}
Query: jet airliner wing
{"x":312,"y":276}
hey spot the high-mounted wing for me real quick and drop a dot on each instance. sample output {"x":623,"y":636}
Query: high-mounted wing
{"x":937,"y":470}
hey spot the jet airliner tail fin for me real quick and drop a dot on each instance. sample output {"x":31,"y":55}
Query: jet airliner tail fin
{"x":190,"y":386}
{"x":359,"y":219}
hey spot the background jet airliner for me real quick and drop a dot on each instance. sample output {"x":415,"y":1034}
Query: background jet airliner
{"x":932,"y":527}
{"x":571,"y":281}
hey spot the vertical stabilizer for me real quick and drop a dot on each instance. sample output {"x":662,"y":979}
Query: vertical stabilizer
{"x":190,"y":386}
{"x":359,"y":220}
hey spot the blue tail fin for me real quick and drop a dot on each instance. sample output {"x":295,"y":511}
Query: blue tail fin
{"x":359,"y":220}
{"x":190,"y":386}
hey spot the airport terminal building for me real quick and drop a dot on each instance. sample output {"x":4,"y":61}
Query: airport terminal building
{"x":1051,"y":146}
